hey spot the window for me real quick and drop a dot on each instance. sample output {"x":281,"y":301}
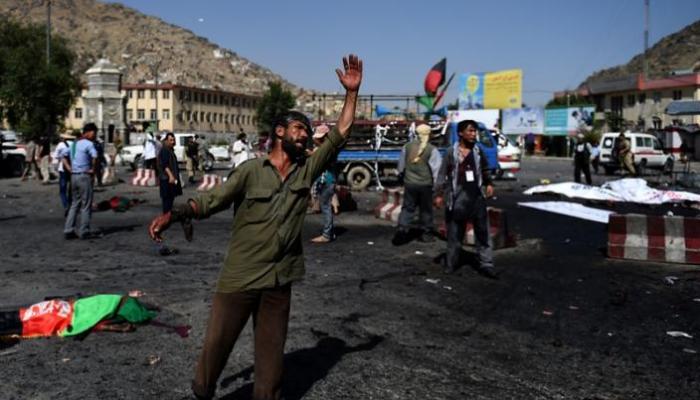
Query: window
{"x":208,"y":117}
{"x":657,"y":97}
{"x":208,"y":98}
{"x":226,"y":118}
{"x":647,"y":142}
{"x":196,"y":97}
{"x":657,"y":145}
{"x":226,"y":100}
{"x":166,"y":113}
{"x":78,"y":113}
{"x":221,"y":117}
{"x":154,"y":114}
{"x":154,"y":93}
{"x":677,"y":94}
{"x":166,"y":93}
{"x":642,"y":98}
{"x":180,"y":95}
{"x":140,"y":94}
{"x":194,"y":116}
{"x":631,"y":100}
{"x":639,"y":142}
{"x":140,"y":114}
{"x":201,"y":116}
{"x":129,"y":114}
{"x":130,"y":94}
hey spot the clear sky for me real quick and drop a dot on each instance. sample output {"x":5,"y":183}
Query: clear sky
{"x":557,"y":43}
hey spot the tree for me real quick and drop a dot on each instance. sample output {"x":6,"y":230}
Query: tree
{"x":573,"y":101}
{"x":275,"y":102}
{"x":34,"y":95}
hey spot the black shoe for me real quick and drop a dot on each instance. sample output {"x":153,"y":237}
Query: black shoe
{"x":426,"y":238}
{"x":91,"y":235}
{"x":70,"y":236}
{"x":490,"y":273}
{"x":400,"y":237}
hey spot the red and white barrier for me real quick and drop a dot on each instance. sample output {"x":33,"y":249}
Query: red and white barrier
{"x":501,"y":237}
{"x":144,"y":177}
{"x":654,"y":238}
{"x":209,"y":182}
{"x":390,"y":206}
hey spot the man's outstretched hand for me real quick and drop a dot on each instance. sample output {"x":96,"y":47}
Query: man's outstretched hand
{"x":351,"y":77}
{"x":158,"y":225}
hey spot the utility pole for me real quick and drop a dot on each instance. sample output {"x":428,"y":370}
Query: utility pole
{"x":48,"y":32}
{"x":646,"y":39}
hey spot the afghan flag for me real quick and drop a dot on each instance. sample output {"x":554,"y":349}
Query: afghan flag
{"x":426,"y":101}
{"x":435,"y":77}
{"x":71,"y":318}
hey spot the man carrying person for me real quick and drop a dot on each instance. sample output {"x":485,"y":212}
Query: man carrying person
{"x":624,"y":155}
{"x":265,"y":256}
{"x":463,"y":185}
{"x":83,"y":161}
{"x":241,"y":150}
{"x":419,"y":164}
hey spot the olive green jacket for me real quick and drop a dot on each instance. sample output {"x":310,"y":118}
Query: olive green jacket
{"x":265,"y":248}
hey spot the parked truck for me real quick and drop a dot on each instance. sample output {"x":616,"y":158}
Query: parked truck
{"x":374,"y":147}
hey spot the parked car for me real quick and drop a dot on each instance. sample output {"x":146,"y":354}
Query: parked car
{"x":646,"y":149}
{"x":12,"y":154}
{"x":133,"y":155}
{"x":509,"y":155}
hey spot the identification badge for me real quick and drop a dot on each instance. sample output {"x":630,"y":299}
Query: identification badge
{"x":470,"y":176}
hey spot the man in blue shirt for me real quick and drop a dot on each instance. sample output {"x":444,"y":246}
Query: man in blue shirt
{"x":83,"y":160}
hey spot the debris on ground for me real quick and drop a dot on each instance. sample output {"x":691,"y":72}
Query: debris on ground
{"x":152,"y":359}
{"x":370,"y":243}
{"x":670,"y":280}
{"x":419,"y":253}
{"x":679,"y":334}
{"x":690,"y":351}
{"x":547,"y":313}
{"x":433,"y":281}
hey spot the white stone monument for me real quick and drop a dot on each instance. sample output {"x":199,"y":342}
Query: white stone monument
{"x":104,"y":103}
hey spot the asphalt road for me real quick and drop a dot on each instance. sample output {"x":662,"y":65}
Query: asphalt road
{"x":370,"y":321}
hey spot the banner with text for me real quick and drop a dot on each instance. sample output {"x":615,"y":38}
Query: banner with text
{"x":491,"y":90}
{"x":521,"y":121}
{"x":567,"y":120}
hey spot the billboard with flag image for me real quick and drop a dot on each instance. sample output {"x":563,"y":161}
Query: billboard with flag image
{"x":490,"y":90}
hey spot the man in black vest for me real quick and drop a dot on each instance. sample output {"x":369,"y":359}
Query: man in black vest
{"x":419,"y":165}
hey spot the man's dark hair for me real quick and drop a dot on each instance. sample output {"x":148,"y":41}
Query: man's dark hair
{"x":241,"y":136}
{"x":292,"y":115}
{"x":168,"y":134}
{"x":462,"y":125}
{"x":89,"y":127}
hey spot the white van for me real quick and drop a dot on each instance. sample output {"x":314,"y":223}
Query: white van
{"x":647,"y":152}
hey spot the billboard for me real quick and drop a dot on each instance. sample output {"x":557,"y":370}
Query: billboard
{"x":567,"y":120}
{"x":490,"y":90}
{"x":520,"y":121}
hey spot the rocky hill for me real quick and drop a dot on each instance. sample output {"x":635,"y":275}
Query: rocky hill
{"x":133,"y":40}
{"x":678,"y":51}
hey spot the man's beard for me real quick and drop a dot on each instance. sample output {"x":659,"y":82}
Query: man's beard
{"x":290,"y":147}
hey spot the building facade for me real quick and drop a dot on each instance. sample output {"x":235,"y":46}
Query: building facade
{"x":642,"y":103}
{"x":178,"y":108}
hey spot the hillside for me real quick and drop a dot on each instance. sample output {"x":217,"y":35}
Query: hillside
{"x":678,"y":51}
{"x":124,"y":35}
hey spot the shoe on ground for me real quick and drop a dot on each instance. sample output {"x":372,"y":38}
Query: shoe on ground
{"x":320,"y":239}
{"x":90,"y":235}
{"x":490,"y":273}
{"x":401,"y":237}
{"x":426,"y":238}
{"x":70,"y":236}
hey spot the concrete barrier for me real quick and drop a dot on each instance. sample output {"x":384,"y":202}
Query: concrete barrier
{"x":209,"y":182}
{"x":654,"y":238}
{"x":501,"y":237}
{"x":144,"y":177}
{"x":390,"y":206}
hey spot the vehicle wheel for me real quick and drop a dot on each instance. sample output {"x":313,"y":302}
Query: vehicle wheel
{"x":208,"y":162}
{"x":609,"y":170}
{"x":499,"y":173}
{"x":642,"y":167}
{"x":359,"y":177}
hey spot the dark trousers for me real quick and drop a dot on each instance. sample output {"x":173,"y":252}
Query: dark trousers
{"x":586,"y":168}
{"x":420,"y":197}
{"x":456,"y":229}
{"x":63,"y":181}
{"x":229,"y":314}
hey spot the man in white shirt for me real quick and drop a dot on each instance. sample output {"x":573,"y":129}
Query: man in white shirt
{"x":241,"y":150}
{"x":149,"y":151}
